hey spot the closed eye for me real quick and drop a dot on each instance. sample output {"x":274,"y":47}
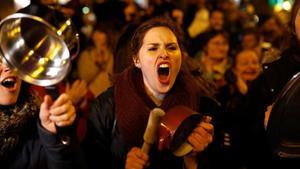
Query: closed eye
{"x":172,"y":47}
{"x":152,"y":49}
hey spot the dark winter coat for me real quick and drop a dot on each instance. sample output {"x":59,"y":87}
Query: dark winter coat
{"x":25,"y":144}
{"x":119,"y":117}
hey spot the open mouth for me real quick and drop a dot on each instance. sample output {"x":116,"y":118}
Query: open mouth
{"x":163,"y":73}
{"x":9,"y":82}
{"x":250,"y":72}
{"x":218,"y":60}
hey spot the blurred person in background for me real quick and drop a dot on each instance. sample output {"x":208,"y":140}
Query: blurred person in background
{"x":216,"y":22}
{"x":95,"y":63}
{"x":197,"y":18}
{"x":231,"y":137}
{"x":272,"y":32}
{"x":214,"y":57}
{"x":251,"y":40}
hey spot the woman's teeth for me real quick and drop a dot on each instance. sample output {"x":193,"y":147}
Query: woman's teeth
{"x":163,"y":66}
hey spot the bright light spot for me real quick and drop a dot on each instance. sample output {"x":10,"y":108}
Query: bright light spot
{"x":57,"y":62}
{"x":19,"y":43}
{"x":52,"y":72}
{"x":59,"y":32}
{"x":43,"y":61}
{"x":237,"y":1}
{"x":142,"y":3}
{"x":31,"y":52}
{"x":250,"y":9}
{"x":21,"y":4}
{"x":68,"y":22}
{"x":86,"y":10}
{"x":91,"y":17}
{"x":65,"y":56}
{"x":256,"y":18}
{"x":286,"y":5}
{"x":277,"y":8}
{"x":63,"y":2}
{"x":36,"y":73}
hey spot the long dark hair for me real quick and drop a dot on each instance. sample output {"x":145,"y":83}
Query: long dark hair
{"x":122,"y":52}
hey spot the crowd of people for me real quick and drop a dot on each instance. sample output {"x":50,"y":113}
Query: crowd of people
{"x":134,"y":59}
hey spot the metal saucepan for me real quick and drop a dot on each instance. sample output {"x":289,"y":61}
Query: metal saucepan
{"x":38,"y":42}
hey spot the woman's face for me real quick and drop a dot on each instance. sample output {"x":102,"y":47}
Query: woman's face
{"x":217,"y":20}
{"x":99,"y":39}
{"x":247,"y":65}
{"x":10,"y":86}
{"x":159,"y":59}
{"x":249,"y":41}
{"x":217,"y":48}
{"x":297,"y":24}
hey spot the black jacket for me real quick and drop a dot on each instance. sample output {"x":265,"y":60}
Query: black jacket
{"x":44,"y":150}
{"x":262,"y":94}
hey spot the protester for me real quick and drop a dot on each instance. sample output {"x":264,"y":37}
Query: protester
{"x":119,"y":116}
{"x":28,"y":127}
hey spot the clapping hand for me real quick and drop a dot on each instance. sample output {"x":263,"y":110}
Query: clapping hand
{"x":60,"y":112}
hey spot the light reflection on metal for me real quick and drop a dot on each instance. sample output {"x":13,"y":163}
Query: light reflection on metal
{"x":31,"y":52}
{"x":38,"y":46}
{"x":36,"y":73}
{"x":21,"y":4}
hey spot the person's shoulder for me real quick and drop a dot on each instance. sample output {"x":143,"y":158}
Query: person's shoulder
{"x":275,"y":66}
{"x":107,"y":95}
{"x":103,"y":107}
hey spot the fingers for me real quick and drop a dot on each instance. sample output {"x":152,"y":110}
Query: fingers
{"x":66,"y":118}
{"x":46,"y":102}
{"x":136,"y":159}
{"x":61,"y":109}
{"x":44,"y":114}
{"x":79,"y":85}
{"x":201,"y":136}
{"x":44,"y":108}
{"x":62,"y":99}
{"x":62,"y":112}
{"x":68,"y":88}
{"x":267,"y":115}
{"x":77,"y":91}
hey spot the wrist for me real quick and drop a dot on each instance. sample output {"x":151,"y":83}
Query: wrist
{"x":190,"y":161}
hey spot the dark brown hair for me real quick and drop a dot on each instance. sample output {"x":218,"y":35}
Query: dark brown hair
{"x":212,"y":34}
{"x":139,"y":34}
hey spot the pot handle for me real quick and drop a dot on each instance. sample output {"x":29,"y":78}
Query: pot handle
{"x":74,"y":47}
{"x":151,"y":132}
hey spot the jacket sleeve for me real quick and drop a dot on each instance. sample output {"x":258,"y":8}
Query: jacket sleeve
{"x":97,"y":143}
{"x":59,"y":155}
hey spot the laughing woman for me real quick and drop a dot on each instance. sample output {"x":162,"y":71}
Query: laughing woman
{"x":28,"y":136}
{"x":119,"y":116}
